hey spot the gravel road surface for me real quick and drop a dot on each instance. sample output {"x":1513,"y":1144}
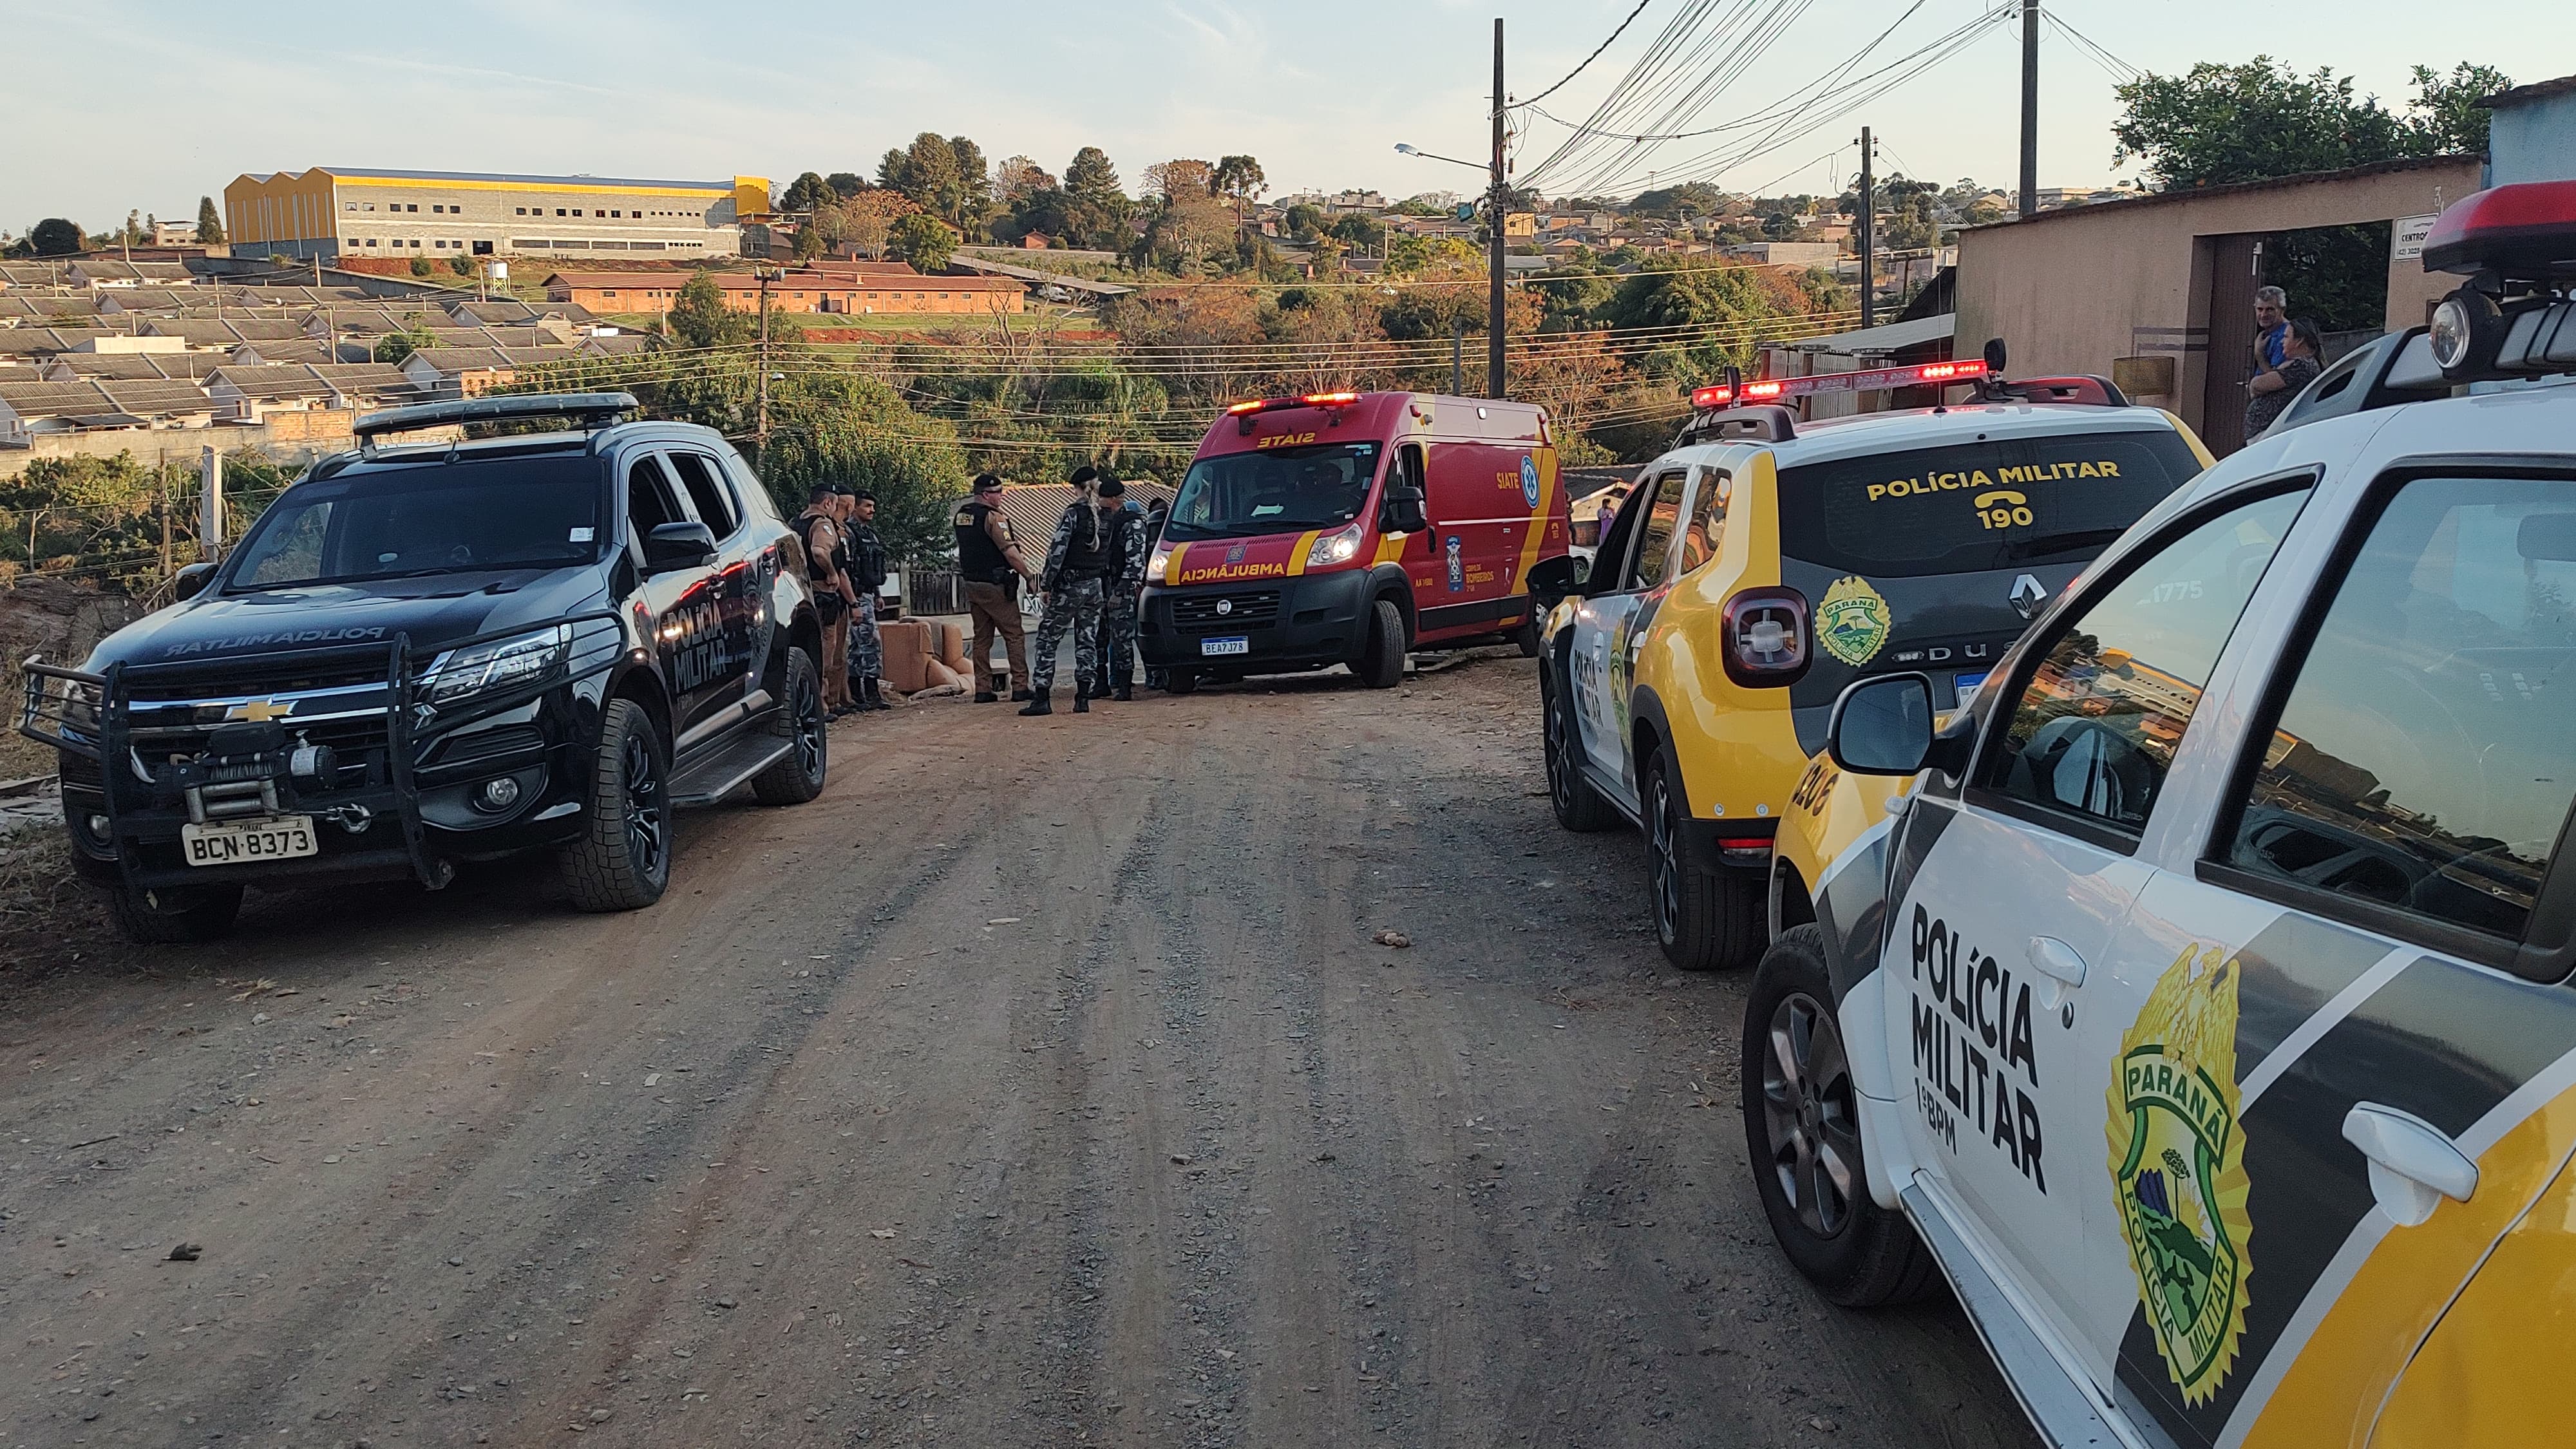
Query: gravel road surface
{"x":1039,"y":1085}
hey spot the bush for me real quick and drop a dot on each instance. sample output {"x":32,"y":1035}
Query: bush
{"x":420,"y":267}
{"x":462,"y":266}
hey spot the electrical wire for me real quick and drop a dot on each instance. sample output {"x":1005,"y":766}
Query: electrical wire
{"x":1587,"y":60}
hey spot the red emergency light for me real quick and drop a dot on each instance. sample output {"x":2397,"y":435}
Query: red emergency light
{"x":2527,"y":229}
{"x":1876,"y":379}
{"x":1243,"y":411}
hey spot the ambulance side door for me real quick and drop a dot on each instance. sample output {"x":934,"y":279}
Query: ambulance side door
{"x":1609,"y":627}
{"x":2015,"y":895}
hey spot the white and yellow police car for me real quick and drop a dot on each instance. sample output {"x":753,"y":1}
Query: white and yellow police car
{"x":2203,"y":1012}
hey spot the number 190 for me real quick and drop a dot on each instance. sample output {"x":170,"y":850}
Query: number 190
{"x":2004,"y":517}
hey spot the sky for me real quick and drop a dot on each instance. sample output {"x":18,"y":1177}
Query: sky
{"x":1320,"y":91}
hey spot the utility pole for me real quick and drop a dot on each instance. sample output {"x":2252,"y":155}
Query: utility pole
{"x":1868,"y":233}
{"x":760,"y":431}
{"x":1494,"y":238}
{"x":210,"y":505}
{"x":2030,"y":107}
{"x":1457,"y":357}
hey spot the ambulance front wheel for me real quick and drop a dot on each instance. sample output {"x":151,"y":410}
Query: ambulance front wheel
{"x":1802,"y":1136}
{"x":1180,"y":681}
{"x":1381,"y":661}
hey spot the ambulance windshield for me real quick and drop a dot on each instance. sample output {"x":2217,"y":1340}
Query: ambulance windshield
{"x":1277,"y":490}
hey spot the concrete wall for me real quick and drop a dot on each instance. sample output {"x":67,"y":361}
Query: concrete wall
{"x":2076,"y":290}
{"x":2534,"y":140}
{"x":296,"y":438}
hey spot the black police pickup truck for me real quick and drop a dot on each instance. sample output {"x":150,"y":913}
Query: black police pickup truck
{"x":456,"y":651}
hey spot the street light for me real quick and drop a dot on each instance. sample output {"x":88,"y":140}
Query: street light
{"x":1435,"y":156}
{"x":1493,"y":235}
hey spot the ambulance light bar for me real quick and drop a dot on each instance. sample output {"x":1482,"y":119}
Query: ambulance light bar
{"x":1877,"y":379}
{"x":1272,"y":404}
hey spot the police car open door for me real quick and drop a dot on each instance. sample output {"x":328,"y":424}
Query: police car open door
{"x":1610,"y":626}
{"x":2014,"y":898}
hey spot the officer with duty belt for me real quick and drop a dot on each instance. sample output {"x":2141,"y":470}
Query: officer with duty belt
{"x":866,"y":571}
{"x":1093,"y":543}
{"x":990,"y":562}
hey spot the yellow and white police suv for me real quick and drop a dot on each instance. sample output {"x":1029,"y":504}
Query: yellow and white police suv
{"x":1765,"y":562}
{"x":2203,"y":1012}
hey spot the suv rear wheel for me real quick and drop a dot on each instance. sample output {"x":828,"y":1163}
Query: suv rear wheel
{"x":1578,"y":806}
{"x":798,"y":776}
{"x":175,"y":915}
{"x":622,"y":862}
{"x":1802,"y":1132}
{"x":1706,"y":917}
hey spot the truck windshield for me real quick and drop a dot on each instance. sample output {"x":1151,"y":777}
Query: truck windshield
{"x":1278,"y":490}
{"x":1974,"y":506}
{"x":432,"y":518}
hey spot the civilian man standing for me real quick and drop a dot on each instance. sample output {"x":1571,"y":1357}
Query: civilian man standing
{"x":867,"y":575}
{"x":989,"y":560}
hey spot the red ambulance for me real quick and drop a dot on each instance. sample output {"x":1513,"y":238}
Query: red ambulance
{"x":1349,"y":528}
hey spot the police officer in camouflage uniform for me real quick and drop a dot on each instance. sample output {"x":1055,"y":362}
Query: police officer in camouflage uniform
{"x":1078,"y":564}
{"x":1131,"y":539}
{"x":867,"y":570}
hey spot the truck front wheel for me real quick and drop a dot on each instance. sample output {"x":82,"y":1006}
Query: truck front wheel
{"x":622,"y":860}
{"x":175,"y":915}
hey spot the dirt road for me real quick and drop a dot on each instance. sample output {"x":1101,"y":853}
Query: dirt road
{"x":1078,"y":1110}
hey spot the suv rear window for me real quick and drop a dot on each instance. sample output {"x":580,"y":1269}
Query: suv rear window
{"x":1976,"y":506}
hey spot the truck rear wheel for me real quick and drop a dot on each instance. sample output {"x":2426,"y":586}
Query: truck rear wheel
{"x":175,"y":915}
{"x":798,"y":777}
{"x":622,"y":861}
{"x":1381,"y":661}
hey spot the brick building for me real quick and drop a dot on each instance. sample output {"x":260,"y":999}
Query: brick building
{"x":337,"y":212}
{"x":844,"y":288}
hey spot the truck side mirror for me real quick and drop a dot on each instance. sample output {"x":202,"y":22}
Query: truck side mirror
{"x":192,"y":580}
{"x":673,"y":546}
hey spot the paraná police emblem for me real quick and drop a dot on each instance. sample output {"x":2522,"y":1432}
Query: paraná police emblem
{"x":2178,"y":1168}
{"x":1853,"y":620}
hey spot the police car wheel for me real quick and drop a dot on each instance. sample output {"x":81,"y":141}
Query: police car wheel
{"x":622,"y":859}
{"x":175,"y":916}
{"x":1802,"y":1136}
{"x":1706,"y":918}
{"x":1578,"y":806}
{"x":798,"y":776}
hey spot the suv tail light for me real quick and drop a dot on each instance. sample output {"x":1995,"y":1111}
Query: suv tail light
{"x":1767,"y":639}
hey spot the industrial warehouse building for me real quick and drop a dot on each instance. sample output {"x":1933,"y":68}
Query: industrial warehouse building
{"x":340,"y":212}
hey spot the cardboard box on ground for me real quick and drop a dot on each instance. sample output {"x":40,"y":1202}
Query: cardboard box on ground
{"x":923,"y":654}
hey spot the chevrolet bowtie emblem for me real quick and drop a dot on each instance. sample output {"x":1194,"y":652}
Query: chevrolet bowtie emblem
{"x":258,"y":711}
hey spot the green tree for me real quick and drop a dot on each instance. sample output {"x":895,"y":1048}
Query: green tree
{"x":1687,"y":202}
{"x":1305,"y":219}
{"x":810,"y":242}
{"x":1096,"y":206}
{"x":420,"y":267}
{"x":699,"y":317}
{"x":210,"y":222}
{"x":2217,"y":124}
{"x":395,"y":347}
{"x":846,"y":184}
{"x":922,"y":240}
{"x":1239,"y":179}
{"x":461,"y":264}
{"x":55,"y":237}
{"x":806,"y":193}
{"x":1090,"y":176}
{"x":2446,"y":116}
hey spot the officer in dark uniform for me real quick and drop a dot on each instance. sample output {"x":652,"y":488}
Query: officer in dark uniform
{"x":1078,"y":563}
{"x":989,"y":561}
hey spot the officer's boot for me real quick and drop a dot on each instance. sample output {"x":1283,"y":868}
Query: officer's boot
{"x":1124,"y":691}
{"x":1082,"y":697}
{"x":1039,"y":703}
{"x":870,"y":698}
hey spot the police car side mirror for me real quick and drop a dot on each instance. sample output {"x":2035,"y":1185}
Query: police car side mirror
{"x":1882,"y":726}
{"x":191,"y":581}
{"x":1556,"y":577}
{"x":673,"y":546}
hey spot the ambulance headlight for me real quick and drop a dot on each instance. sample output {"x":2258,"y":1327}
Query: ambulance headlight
{"x":1158,"y":565}
{"x":1336,"y":548}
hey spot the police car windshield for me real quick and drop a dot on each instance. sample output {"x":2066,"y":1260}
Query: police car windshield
{"x":430,"y":518}
{"x":1978,"y":505}
{"x":1277,"y":490}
